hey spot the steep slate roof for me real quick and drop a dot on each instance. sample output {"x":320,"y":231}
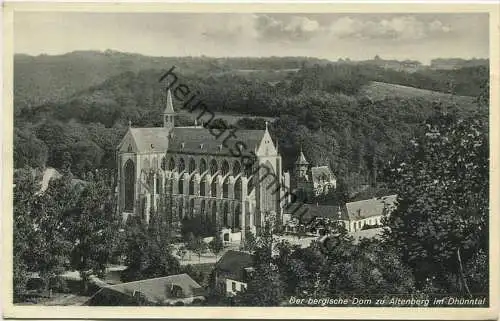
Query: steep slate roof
{"x":233,"y":263}
{"x":154,"y":290}
{"x":301,"y":160}
{"x":193,"y":140}
{"x":154,"y":139}
{"x":327,"y":211}
{"x":370,"y":207}
{"x":318,"y":171}
{"x":199,"y":140}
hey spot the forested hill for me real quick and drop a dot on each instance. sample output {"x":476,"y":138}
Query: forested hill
{"x":351,"y":117}
{"x":44,"y":78}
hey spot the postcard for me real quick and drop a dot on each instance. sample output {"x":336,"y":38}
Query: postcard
{"x":209,"y":160}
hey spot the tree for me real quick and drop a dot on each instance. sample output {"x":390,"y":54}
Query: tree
{"x":25,"y":187}
{"x":52,"y":243}
{"x":250,"y":241}
{"x":136,"y":249}
{"x":29,"y":150}
{"x":195,"y":226}
{"x":265,"y":289}
{"x":441,"y":219}
{"x":94,"y":229}
{"x":148,"y":253}
{"x":190,"y":243}
{"x":199,"y":247}
{"x":251,"y":123}
{"x":370,"y":267}
{"x":216,"y":245}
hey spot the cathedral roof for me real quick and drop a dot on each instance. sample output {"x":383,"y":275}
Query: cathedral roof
{"x":169,"y":109}
{"x":199,"y":140}
{"x":153,"y":139}
{"x":193,"y":140}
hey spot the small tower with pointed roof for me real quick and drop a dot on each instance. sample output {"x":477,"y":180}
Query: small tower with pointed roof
{"x":302,"y":180}
{"x":169,"y":113}
{"x":301,"y":165}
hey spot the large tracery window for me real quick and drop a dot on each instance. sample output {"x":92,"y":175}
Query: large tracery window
{"x":268,"y":187}
{"x":181,"y":184}
{"x":182,"y":165}
{"x":225,"y":215}
{"x":213,"y":167}
{"x":225,"y":168}
{"x":191,"y":185}
{"x":225,"y":188}
{"x":192,"y":166}
{"x":171,"y":164}
{"x":203,"y":186}
{"x":203,"y":166}
{"x":129,"y":170}
{"x":237,"y":189}
{"x":164,"y":164}
{"x":213,"y":187}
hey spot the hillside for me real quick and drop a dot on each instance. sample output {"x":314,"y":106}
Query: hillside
{"x":351,"y":117}
{"x":42,"y":79}
{"x":380,"y":91}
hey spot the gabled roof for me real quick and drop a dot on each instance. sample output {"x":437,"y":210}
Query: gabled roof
{"x":371,"y":207}
{"x":153,"y":290}
{"x":154,"y":139}
{"x":318,"y":172}
{"x":196,"y":140}
{"x":327,"y":211}
{"x":234,"y":263}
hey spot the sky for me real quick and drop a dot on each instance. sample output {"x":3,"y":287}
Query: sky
{"x":358,"y":36}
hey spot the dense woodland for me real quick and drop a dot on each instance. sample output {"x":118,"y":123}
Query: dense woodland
{"x":326,"y":108}
{"x":433,"y":152}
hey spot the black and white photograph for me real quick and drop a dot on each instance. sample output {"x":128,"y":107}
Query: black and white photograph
{"x":251,"y":158}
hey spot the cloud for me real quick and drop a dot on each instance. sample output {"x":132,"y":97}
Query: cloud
{"x":290,"y":28}
{"x":397,"y":28}
{"x":229,"y":27}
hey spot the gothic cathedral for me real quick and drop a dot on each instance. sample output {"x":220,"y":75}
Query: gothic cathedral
{"x":201,"y":175}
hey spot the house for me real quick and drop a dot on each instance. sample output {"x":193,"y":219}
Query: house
{"x":323,"y":180}
{"x":354,"y":215}
{"x":368,"y":212}
{"x":233,"y":271}
{"x":178,"y":289}
{"x":315,"y":219}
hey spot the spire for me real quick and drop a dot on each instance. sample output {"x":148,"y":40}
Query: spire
{"x":301,"y":160}
{"x":169,"y":109}
{"x":267,"y":123}
{"x":169,"y":113}
{"x":129,"y":123}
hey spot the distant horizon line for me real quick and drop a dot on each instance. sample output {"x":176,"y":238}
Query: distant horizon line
{"x":255,"y":57}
